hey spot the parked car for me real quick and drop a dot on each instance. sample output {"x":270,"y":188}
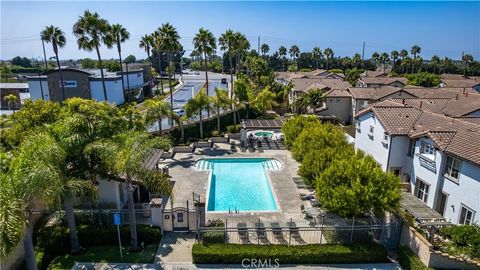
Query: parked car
{"x":179,"y":112}
{"x":224,"y":81}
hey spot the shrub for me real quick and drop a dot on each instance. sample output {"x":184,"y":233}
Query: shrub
{"x":336,"y":70}
{"x":214,"y":236}
{"x":302,"y":254}
{"x":294,"y":126}
{"x":464,"y":238}
{"x":424,"y":79}
{"x":409,"y":260}
{"x":233,"y":128}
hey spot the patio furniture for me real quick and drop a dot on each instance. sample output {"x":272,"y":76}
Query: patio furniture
{"x":233,"y":146}
{"x":277,"y":230}
{"x":261,"y":231}
{"x":293,"y":227}
{"x":302,"y":208}
{"x":242,"y":231}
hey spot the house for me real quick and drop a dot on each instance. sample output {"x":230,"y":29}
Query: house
{"x":363,"y":96}
{"x":374,"y":74}
{"x":436,"y":156}
{"x":84,"y":83}
{"x":471,"y":83}
{"x":286,"y":77}
{"x":303,"y":85}
{"x":337,"y":106}
{"x":376,"y":82}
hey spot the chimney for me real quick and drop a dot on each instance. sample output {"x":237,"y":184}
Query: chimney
{"x":466,"y":94}
{"x":403,"y":101}
{"x":421,"y":102}
{"x":456,"y":98}
{"x":464,"y":90}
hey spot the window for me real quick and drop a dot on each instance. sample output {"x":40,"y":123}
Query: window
{"x":411,"y":148}
{"x":385,"y":137}
{"x":466,"y":215}
{"x":358,"y":125}
{"x":421,"y":190}
{"x":427,"y":150}
{"x":452,"y":168}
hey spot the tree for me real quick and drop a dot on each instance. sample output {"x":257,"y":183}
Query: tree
{"x":196,"y":106}
{"x":295,"y":125}
{"x":282,"y":51}
{"x":264,"y":100}
{"x":356,"y":186}
{"x":435,"y":61}
{"x":352,"y":76}
{"x":117,"y":35}
{"x":415,"y":50}
{"x":227,"y":43}
{"x":87,"y":63}
{"x":21,"y":61}
{"x":394,"y":55}
{"x":375,"y":57}
{"x":125,"y":157}
{"x":328,"y":52}
{"x":130,"y":59}
{"x":294,"y":52}
{"x":180,"y":120}
{"x":204,"y":43}
{"x":264,"y":48}
{"x":466,"y":59}
{"x":147,"y":42}
{"x":384,"y":59}
{"x":155,"y":110}
{"x":403,"y":55}
{"x":317,"y":55}
{"x":168,"y":41}
{"x":11,"y":100}
{"x":218,"y":103}
{"x":54,"y":35}
{"x":424,"y":79}
{"x":91,"y":31}
{"x":241,"y":46}
{"x":244,"y":92}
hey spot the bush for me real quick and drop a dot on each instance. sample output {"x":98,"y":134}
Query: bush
{"x":214,"y":236}
{"x":424,"y":79}
{"x":409,"y":260}
{"x":336,"y":70}
{"x":302,"y":254}
{"x":294,"y":126}
{"x":464,"y":239}
{"x":233,"y":128}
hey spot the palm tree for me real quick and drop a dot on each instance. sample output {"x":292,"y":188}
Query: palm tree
{"x":241,"y":46}
{"x":446,"y":63}
{"x":11,"y":100}
{"x":294,"y":52}
{"x":403,"y":55}
{"x":466,"y":59}
{"x":204,"y":42}
{"x":356,"y":59}
{"x":415,"y":50}
{"x":384,"y":59}
{"x":146,"y":42}
{"x":180,"y":120}
{"x":406,"y":62}
{"x":282,"y":51}
{"x":219,"y":102}
{"x":91,"y":31}
{"x":125,"y":157}
{"x":328,"y":52}
{"x":169,"y":42}
{"x":265,"y":100}
{"x":33,"y":175}
{"x":155,"y":110}
{"x":394,"y":56}
{"x":227,"y":44}
{"x":116,"y":36}
{"x":435,"y":61}
{"x":196,"y":106}
{"x":264,"y":48}
{"x":53,"y":34}
{"x":375,"y":57}
{"x":317,"y":55}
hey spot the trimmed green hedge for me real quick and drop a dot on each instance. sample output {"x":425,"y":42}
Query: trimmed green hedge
{"x":409,"y":260}
{"x":302,"y":254}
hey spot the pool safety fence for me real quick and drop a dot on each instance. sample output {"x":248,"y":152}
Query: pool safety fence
{"x":291,"y":232}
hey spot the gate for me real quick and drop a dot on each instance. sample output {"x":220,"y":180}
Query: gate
{"x":180,"y":219}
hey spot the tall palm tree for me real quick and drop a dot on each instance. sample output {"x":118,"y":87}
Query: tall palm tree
{"x":317,"y":55}
{"x":116,"y":36}
{"x":146,"y":43}
{"x":196,"y":105}
{"x":375,"y":57}
{"x":403,"y":55}
{"x":328,"y":52}
{"x":219,"y":102}
{"x":91,"y":31}
{"x":394,"y":55}
{"x":415,"y":50}
{"x":168,"y":41}
{"x":264,"y":48}
{"x":155,"y":110}
{"x":282,"y":51}
{"x":384,"y":59}
{"x":294,"y":52}
{"x":227,"y":43}
{"x":241,"y":47}
{"x":53,"y":34}
{"x":204,"y":42}
{"x":435,"y":61}
{"x":180,"y":120}
{"x":356,"y":60}
{"x":446,"y":64}
{"x":466,"y":59}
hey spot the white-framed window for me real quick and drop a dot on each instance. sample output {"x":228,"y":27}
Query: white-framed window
{"x":427,"y":150}
{"x":452,"y":168}
{"x":385,"y":137}
{"x":466,"y":215}
{"x":421,"y":190}
{"x":370,"y":130}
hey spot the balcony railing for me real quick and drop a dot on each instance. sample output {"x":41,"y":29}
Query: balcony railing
{"x":427,"y":163}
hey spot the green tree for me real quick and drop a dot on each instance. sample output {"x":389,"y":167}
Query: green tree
{"x":424,"y":79}
{"x":53,"y":34}
{"x":328,"y":52}
{"x":87,"y":63}
{"x":244,"y":92}
{"x":91,"y":31}
{"x":355,"y":186}
{"x":295,"y":125}
{"x":155,"y":110}
{"x":394,"y":55}
{"x":117,"y":34}
{"x":294,"y":52}
{"x":403,"y":55}
{"x":317,"y":55}
{"x":218,"y":103}
{"x":384,"y":59}
{"x":352,"y":76}
{"x":21,"y":61}
{"x":196,"y":105}
{"x":435,"y":62}
{"x":264,"y":100}
{"x":264,"y":48}
{"x":11,"y":100}
{"x":466,"y":59}
{"x":130,"y":59}
{"x":282,"y":52}
{"x":204,"y":43}
{"x":415,"y":50}
{"x":146,"y":43}
{"x":227,"y":44}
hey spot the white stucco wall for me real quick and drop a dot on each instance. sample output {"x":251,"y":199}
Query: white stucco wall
{"x":372,"y":145}
{"x":135,"y":80}
{"x":114,"y":91}
{"x":340,"y":107}
{"x":36,"y":91}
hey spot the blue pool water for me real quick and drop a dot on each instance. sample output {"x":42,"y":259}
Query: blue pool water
{"x":240,"y":184}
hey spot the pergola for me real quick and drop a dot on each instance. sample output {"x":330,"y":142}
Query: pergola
{"x":259,"y":124}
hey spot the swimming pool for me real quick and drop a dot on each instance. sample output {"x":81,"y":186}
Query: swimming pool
{"x":263,"y":134}
{"x":239,"y":184}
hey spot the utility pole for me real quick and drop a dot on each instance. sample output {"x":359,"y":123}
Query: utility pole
{"x":44,"y":55}
{"x":258,"y":45}
{"x":363,"y":51}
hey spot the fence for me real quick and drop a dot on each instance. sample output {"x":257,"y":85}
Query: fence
{"x":290,"y":232}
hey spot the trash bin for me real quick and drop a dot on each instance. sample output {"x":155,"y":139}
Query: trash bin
{"x":147,"y":210}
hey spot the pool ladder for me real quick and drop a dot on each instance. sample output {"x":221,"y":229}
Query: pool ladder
{"x":236,"y":211}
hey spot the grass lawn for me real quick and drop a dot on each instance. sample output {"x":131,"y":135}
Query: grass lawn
{"x":105,"y":254}
{"x":409,"y":260}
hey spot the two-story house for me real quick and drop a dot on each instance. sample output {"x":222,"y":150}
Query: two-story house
{"x":436,"y":156}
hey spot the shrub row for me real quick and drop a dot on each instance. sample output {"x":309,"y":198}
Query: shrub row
{"x":304,"y":254}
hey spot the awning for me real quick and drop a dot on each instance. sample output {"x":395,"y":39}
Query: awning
{"x":420,"y":210}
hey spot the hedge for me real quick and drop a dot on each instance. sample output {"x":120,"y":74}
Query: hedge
{"x":409,"y":260}
{"x":302,"y":254}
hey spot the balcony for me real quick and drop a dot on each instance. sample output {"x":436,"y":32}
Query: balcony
{"x":427,"y":162}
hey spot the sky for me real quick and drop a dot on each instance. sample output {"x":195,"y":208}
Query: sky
{"x":439,"y":28}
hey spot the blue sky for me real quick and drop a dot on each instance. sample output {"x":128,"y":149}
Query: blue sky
{"x":442,"y":28}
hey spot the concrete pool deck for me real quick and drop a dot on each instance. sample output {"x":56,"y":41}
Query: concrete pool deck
{"x":188,"y":180}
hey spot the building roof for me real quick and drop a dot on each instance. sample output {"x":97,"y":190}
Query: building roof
{"x":373,"y":74}
{"x":452,"y":135}
{"x":471,"y":119}
{"x":338,"y":93}
{"x":13,"y":85}
{"x":438,"y":92}
{"x":384,"y":80}
{"x":448,"y":76}
{"x":315,"y":74}
{"x":373,"y":93}
{"x":262,"y":123}
{"x":470,"y":83}
{"x":460,"y":105}
{"x":304,"y":84}
{"x":418,"y":209}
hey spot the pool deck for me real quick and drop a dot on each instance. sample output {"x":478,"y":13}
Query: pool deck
{"x":188,"y":180}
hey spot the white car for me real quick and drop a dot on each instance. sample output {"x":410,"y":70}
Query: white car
{"x":179,"y":112}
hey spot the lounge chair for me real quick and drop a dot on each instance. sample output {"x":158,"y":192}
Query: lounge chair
{"x":260,"y":229}
{"x":233,"y":147}
{"x":277,"y":230}
{"x":242,"y":231}
{"x":293,"y":227}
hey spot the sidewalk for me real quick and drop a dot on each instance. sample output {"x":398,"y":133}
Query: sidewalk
{"x":379,"y":266}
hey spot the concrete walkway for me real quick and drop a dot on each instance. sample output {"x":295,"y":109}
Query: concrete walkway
{"x":175,"y":248}
{"x":378,"y":266}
